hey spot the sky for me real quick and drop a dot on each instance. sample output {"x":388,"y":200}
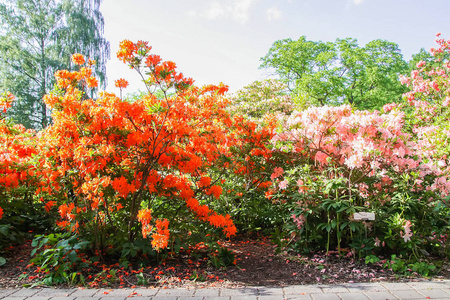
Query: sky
{"x":216,"y":41}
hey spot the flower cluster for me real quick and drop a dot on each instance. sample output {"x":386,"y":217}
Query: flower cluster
{"x":161,"y":237}
{"x":144,"y":217}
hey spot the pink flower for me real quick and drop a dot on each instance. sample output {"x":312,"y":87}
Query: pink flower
{"x":420,"y":64}
{"x":299,"y":221}
{"x":277,"y":172}
{"x":283,"y":184}
{"x":435,"y":86}
{"x":408,"y":233}
{"x":389,"y":107}
{"x":301,"y":186}
{"x":404,"y":79}
{"x":321,"y":157}
{"x":354,"y":161}
{"x":377,"y":242}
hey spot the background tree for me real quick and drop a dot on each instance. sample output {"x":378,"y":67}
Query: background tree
{"x":262,"y":97}
{"x":36,"y":39}
{"x":340,"y":72}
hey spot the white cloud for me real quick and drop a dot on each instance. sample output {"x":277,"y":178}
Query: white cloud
{"x":273,"y":13}
{"x":214,"y":11}
{"x":357,"y":2}
{"x":237,"y":10}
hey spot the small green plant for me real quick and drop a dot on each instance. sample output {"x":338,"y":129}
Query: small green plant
{"x":399,"y":265}
{"x":197,"y":277}
{"x":222,"y":258}
{"x":396,"y":264}
{"x":141,"y":280}
{"x":60,"y":258}
{"x":423,"y":268}
{"x":372,"y":259}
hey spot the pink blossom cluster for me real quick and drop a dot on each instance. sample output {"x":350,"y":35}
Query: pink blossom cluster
{"x":299,"y":221}
{"x":277,"y":172}
{"x":429,"y":96}
{"x":368,"y":141}
{"x":372,"y":143}
{"x":408,"y":233}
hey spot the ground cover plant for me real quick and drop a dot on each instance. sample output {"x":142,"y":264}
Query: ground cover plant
{"x":124,"y":184}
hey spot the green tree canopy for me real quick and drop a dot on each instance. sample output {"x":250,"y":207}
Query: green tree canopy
{"x":262,"y":97}
{"x":37,"y":38}
{"x":340,"y":72}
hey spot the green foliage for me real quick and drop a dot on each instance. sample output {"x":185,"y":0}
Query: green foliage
{"x":21,"y":221}
{"x":60,"y":258}
{"x":423,"y":55}
{"x":251,"y":211}
{"x":322,"y":217}
{"x":340,"y":72}
{"x":371,"y":259}
{"x":141,"y":280}
{"x":222,"y":258}
{"x":259,"y":98}
{"x":399,"y":265}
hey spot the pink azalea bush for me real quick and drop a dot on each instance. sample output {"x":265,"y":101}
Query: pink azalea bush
{"x":393,"y":163}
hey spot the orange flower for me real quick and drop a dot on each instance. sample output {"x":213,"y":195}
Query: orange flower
{"x":126,"y":50}
{"x":153,"y":60}
{"x":6,"y":101}
{"x":146,"y":229}
{"x":204,"y":181}
{"x":122,"y":186}
{"x":230,"y":230}
{"x":159,"y":241}
{"x":162,"y":226}
{"x":49,"y":205}
{"x":66,"y":211}
{"x":192,"y":204}
{"x":265,"y":184}
{"x":145,"y":216}
{"x":62,"y":224}
{"x":121,"y":83}
{"x":86,"y":72}
{"x":215,"y":190}
{"x":186,"y":193}
{"x":203,"y":211}
{"x":92,"y":82}
{"x":217,"y":220}
{"x":78,"y":59}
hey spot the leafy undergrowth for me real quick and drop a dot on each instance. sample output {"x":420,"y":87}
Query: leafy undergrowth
{"x":256,"y":263}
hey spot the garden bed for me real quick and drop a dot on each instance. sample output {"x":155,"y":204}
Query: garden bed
{"x":257,"y":264}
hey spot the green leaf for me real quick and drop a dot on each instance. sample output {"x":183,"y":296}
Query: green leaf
{"x":73,"y":256}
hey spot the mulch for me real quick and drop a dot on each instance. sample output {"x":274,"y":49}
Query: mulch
{"x":257,"y":263}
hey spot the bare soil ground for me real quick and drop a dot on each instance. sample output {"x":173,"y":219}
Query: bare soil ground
{"x":257,"y":264}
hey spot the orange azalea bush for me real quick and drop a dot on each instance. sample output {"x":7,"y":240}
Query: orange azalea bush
{"x":16,"y":148}
{"x":21,"y":212}
{"x":120,"y":169}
